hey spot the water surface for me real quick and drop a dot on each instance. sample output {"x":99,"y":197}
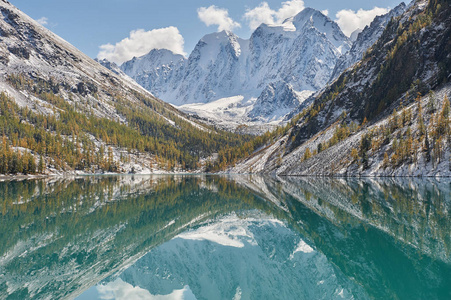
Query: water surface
{"x":209,"y":237}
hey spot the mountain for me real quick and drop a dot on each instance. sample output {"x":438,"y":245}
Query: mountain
{"x":169,"y":232}
{"x":276,"y":100}
{"x":73,"y":245}
{"x":70,"y":113}
{"x":387,"y":116}
{"x":300,"y":53}
{"x":209,"y":260}
{"x":365,"y":38}
{"x":157,"y":68}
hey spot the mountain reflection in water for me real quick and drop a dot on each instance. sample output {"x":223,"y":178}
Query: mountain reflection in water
{"x":211,"y":237}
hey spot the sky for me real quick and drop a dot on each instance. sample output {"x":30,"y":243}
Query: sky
{"x":120,"y":29}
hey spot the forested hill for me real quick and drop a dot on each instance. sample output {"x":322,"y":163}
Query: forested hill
{"x":388,"y":115}
{"x":61,"y":111}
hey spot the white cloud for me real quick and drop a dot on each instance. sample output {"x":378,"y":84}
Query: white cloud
{"x":325,"y":12}
{"x":258,"y":15}
{"x":43,"y":21}
{"x":214,"y":15}
{"x":349,"y":20}
{"x":264,"y":14}
{"x":140,"y":42}
{"x":289,"y":9}
{"x":121,"y":290}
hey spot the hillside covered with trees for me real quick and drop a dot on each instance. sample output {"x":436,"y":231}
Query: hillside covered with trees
{"x":61,"y":111}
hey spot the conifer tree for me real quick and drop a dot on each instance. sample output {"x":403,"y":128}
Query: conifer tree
{"x":386,"y":161}
{"x":41,"y":166}
{"x":307,"y":154}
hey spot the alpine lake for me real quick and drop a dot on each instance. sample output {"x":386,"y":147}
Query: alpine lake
{"x":225,"y":237}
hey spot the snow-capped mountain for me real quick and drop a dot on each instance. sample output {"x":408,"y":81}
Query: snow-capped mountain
{"x":157,"y":68}
{"x":410,"y":59}
{"x":235,"y":258}
{"x":365,"y":38}
{"x":300,"y":53}
{"x":277,"y":100}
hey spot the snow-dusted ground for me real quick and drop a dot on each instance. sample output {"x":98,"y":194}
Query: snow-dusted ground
{"x":232,"y":114}
{"x":337,"y":161}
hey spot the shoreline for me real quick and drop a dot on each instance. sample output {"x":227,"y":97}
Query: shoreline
{"x":22,"y":177}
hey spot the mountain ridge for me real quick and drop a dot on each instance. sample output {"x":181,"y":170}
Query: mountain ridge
{"x":301,"y":52}
{"x":290,"y":53}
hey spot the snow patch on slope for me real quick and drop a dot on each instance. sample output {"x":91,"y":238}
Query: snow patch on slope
{"x":231,"y":231}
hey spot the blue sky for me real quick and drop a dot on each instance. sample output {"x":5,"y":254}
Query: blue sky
{"x":88,"y":24}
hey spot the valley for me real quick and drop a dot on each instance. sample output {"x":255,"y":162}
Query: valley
{"x":293,"y":99}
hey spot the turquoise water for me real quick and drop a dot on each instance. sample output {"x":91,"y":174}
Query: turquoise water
{"x":209,"y":237}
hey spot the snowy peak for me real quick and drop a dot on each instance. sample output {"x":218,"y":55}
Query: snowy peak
{"x":153,"y":60}
{"x":301,"y":53}
{"x":156,"y":69}
{"x":212,"y":45}
{"x":164,"y":56}
{"x":310,"y":17}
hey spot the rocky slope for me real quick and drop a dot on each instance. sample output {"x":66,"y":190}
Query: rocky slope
{"x":351,"y":128}
{"x":300,"y":55}
{"x":365,"y":39}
